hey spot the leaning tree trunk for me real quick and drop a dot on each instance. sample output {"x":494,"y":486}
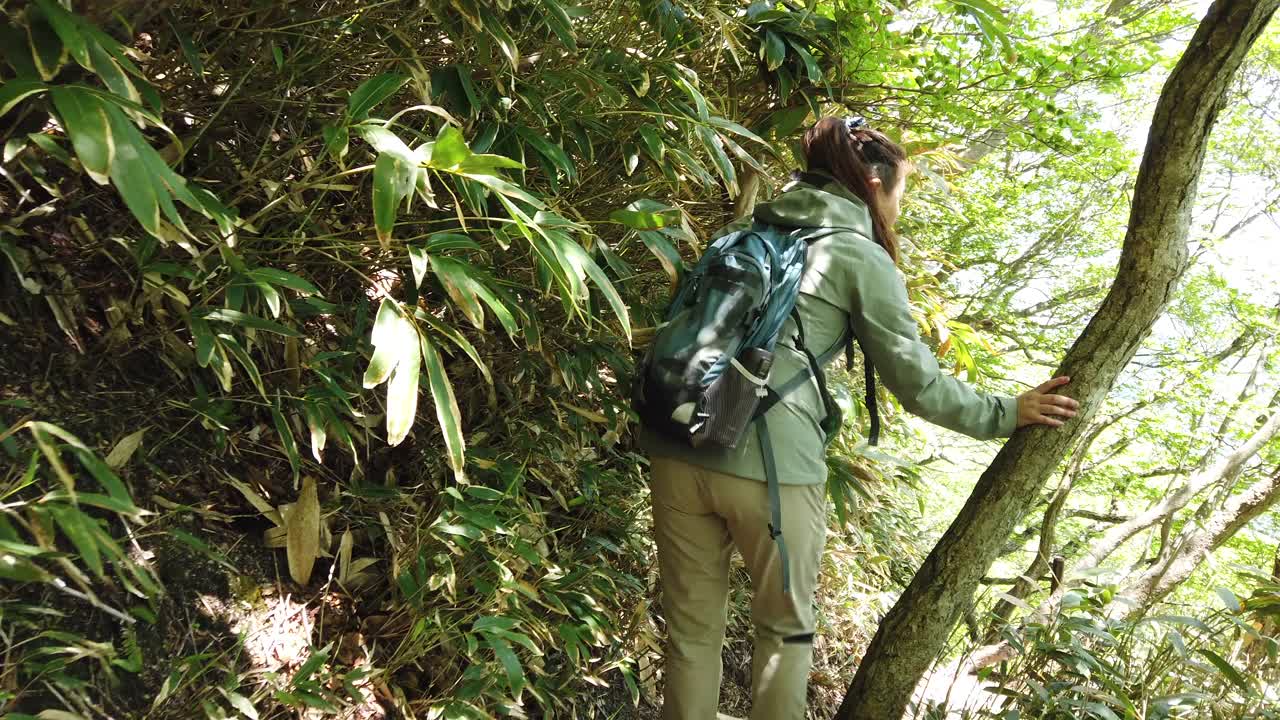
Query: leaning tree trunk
{"x":1153,"y":259}
{"x":1191,"y":549}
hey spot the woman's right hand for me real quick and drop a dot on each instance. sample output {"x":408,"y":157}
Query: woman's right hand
{"x":1041,"y":407}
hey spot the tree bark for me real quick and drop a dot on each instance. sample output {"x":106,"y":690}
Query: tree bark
{"x":1225,"y":470}
{"x":1151,"y":263}
{"x":1194,"y":546}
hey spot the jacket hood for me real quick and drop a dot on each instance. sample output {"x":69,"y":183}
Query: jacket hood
{"x":804,"y":205}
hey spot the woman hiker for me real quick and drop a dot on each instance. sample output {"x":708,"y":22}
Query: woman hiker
{"x":706,"y":501}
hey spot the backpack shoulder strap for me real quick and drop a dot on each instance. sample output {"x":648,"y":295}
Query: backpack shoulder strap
{"x":869,"y":380}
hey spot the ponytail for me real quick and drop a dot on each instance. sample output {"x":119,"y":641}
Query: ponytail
{"x":854,"y":155}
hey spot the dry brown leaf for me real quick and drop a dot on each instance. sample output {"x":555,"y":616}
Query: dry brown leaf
{"x":258,"y":502}
{"x":276,"y":537}
{"x":124,"y":449}
{"x":303,"y":527}
{"x":344,"y":556}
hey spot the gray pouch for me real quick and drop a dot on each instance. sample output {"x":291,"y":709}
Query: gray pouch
{"x":729,"y":404}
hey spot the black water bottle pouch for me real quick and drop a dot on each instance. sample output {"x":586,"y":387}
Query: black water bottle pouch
{"x":729,"y":403}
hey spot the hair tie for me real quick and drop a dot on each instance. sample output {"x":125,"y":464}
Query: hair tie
{"x":855,"y":122}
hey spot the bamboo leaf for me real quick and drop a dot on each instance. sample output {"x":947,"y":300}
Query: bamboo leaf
{"x":579,"y":257}
{"x":772,"y":50}
{"x":402,"y":388}
{"x":113,"y":76}
{"x":284,"y":278}
{"x":245,"y":361}
{"x":303,"y":528}
{"x":715,"y":148}
{"x":560,"y":23}
{"x":64,"y":25}
{"x":1229,"y":672}
{"x":47,"y":51}
{"x":124,"y":449}
{"x":337,"y":140}
{"x":393,"y":181}
{"x":510,"y":663}
{"x":646,"y":214}
{"x":455,"y":277}
{"x":450,"y":149}
{"x":419,"y":260}
{"x":388,"y":334}
{"x":447,"y":412}
{"x":235,"y":317}
{"x":550,"y":151}
{"x":88,"y":126}
{"x":73,"y":524}
{"x":385,"y":141}
{"x":17,"y":90}
{"x":372,"y":92}
{"x":287,"y":442}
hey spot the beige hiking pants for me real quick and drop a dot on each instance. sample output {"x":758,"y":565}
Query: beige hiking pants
{"x":700,"y":516}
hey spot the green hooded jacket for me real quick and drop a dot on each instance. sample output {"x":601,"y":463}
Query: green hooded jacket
{"x":847,"y":276}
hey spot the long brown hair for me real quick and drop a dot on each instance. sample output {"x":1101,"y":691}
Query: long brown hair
{"x":853,"y":157}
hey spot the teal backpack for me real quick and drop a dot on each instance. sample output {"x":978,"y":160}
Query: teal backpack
{"x":705,"y":379}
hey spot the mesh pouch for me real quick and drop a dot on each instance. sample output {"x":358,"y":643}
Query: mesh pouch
{"x":729,"y":404}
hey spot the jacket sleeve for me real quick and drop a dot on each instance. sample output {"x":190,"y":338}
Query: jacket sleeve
{"x":882,"y":322}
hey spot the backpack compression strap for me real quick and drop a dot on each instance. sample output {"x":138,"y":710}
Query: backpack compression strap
{"x":775,"y":502}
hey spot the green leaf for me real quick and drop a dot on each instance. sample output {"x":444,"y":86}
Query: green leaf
{"x":450,"y":149}
{"x":89,"y":128}
{"x":503,"y":187}
{"x":455,"y":277}
{"x":560,"y":23}
{"x":113,"y":76}
{"x":1229,"y":599}
{"x":337,"y":140}
{"x":372,"y":92}
{"x":236,"y":317}
{"x":74,"y":526}
{"x":245,"y":361}
{"x":447,"y":412}
{"x":188,"y":47}
{"x":203,"y":336}
{"x":515,"y":672}
{"x":393,"y":181}
{"x":646,"y":214}
{"x":130,"y":173}
{"x":47,"y":51}
{"x":284,"y":278}
{"x":579,"y":257}
{"x":505,"y":43}
{"x":653,"y":142}
{"x":17,"y":90}
{"x":419,"y":260}
{"x":736,"y":129}
{"x":242,"y":705}
{"x":443,"y":241}
{"x":773,"y":50}
{"x":662,"y":249}
{"x":286,"y":439}
{"x":385,"y":141}
{"x":463,"y":343}
{"x":1228,"y":671}
{"x":386,"y":338}
{"x":715,"y":148}
{"x":466,"y":284}
{"x":786,"y":121}
{"x":550,"y":151}
{"x":402,"y":388}
{"x":107,"y":478}
{"x":810,"y":65}
{"x":64,"y":24}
